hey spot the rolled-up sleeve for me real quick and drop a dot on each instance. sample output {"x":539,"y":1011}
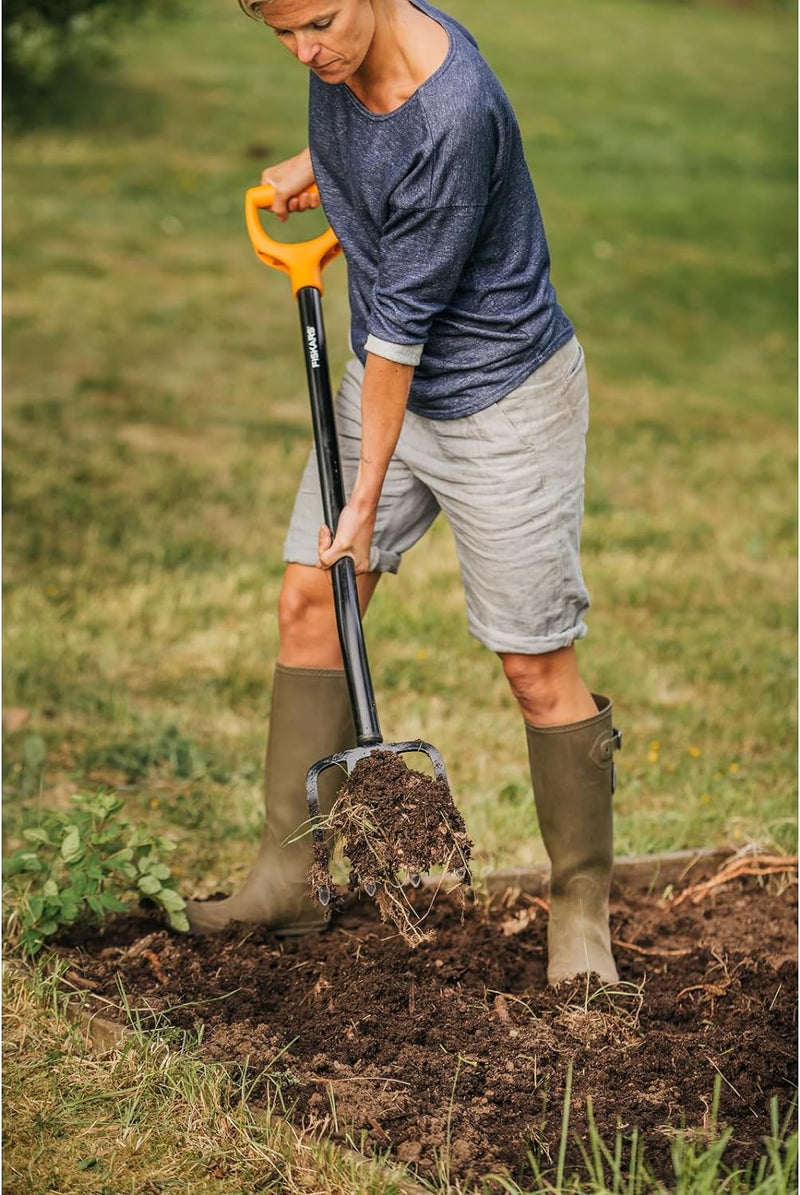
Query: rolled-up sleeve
{"x":403,"y":354}
{"x":423,"y":253}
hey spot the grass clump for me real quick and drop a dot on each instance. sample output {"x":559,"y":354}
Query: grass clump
{"x":698,"y":1160}
{"x":82,"y":864}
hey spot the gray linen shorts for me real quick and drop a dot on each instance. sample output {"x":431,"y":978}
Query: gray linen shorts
{"x":509,"y":480}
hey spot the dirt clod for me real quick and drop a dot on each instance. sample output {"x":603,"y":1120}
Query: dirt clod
{"x":390,"y":820}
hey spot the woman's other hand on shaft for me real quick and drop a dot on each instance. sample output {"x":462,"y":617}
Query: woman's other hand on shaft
{"x":353,"y":538}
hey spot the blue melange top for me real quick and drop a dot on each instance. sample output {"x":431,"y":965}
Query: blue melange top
{"x":448,"y":265}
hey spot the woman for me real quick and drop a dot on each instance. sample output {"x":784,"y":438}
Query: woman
{"x":467,"y":394}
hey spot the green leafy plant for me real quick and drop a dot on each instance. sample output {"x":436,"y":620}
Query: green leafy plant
{"x":82,"y":864}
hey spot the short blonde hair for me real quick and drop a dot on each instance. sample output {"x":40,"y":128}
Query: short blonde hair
{"x":252,"y":9}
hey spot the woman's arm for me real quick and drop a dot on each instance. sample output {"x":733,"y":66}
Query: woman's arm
{"x":290,"y":179}
{"x":384,"y":395}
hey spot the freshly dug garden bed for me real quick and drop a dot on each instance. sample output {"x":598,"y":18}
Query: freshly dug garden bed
{"x":456,"y":1055}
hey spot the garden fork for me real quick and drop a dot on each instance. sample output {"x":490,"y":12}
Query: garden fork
{"x":304,"y":262}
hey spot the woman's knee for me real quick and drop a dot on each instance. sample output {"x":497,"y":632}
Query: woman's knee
{"x":307,"y":618}
{"x":548,"y":687}
{"x":305,"y":604}
{"x":534,"y":681}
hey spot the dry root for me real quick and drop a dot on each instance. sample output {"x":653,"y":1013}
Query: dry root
{"x":735,"y":868}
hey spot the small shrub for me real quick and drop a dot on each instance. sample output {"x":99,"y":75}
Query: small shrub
{"x":49,"y":44}
{"x":80,"y":866}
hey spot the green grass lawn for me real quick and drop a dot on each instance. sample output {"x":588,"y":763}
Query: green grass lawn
{"x":156,"y":423}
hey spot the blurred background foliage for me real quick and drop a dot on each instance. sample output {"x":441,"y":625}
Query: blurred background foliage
{"x":51,"y":48}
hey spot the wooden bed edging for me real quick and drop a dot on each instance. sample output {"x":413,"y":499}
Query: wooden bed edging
{"x":642,"y":873}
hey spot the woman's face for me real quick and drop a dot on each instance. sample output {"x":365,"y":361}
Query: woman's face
{"x":330,"y":37}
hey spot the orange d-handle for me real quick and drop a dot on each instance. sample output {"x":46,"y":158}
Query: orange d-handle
{"x":303,"y":261}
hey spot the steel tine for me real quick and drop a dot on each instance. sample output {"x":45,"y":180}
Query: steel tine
{"x":322,"y":892}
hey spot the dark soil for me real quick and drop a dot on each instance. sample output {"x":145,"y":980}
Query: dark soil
{"x":392,"y":822}
{"x":457,"y":1051}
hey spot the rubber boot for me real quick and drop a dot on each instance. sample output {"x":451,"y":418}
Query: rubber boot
{"x":574,"y":777}
{"x":310,"y":719}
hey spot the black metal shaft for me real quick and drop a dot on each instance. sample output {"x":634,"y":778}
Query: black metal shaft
{"x":345,"y":593}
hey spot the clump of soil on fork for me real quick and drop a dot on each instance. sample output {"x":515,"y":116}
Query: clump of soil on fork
{"x":391,"y":820}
